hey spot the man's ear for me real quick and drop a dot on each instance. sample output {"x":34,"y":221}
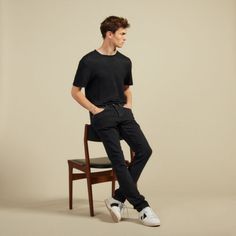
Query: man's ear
{"x":109,"y":34}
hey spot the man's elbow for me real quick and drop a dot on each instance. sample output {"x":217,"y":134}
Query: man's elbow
{"x":126,"y":87}
{"x":74,"y":91}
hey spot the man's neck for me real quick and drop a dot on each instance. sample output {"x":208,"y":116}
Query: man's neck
{"x":107,"y":49}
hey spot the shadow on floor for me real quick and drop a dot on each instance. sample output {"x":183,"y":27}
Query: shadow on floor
{"x":61,"y":206}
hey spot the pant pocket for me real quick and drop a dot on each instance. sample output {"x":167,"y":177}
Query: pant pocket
{"x":100,"y":113}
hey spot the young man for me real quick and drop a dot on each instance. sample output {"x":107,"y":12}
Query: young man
{"x":106,"y":75}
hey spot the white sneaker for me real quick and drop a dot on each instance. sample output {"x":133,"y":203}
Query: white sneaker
{"x":148,"y":217}
{"x":115,"y":207}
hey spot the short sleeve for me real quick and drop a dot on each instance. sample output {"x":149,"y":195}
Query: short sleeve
{"x":83,"y":74}
{"x":129,"y":77}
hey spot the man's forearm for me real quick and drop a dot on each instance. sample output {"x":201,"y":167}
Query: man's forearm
{"x":128,"y":95}
{"x":83,"y":101}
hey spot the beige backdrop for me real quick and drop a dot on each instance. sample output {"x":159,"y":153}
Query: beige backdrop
{"x":184,"y":69}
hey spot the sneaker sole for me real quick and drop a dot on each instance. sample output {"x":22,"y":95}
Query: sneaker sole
{"x":113,"y":215}
{"x":150,"y":225}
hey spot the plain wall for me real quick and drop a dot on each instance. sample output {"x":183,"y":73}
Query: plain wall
{"x":184,"y":70}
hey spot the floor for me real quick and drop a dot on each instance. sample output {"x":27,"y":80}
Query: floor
{"x":180,"y":216}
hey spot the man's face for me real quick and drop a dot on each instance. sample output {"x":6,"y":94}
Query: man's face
{"x":119,"y":37}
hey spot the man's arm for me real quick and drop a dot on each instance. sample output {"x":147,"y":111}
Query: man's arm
{"x":128,"y":96}
{"x":83,"y":101}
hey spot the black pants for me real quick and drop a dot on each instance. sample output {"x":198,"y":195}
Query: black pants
{"x":115,"y":121}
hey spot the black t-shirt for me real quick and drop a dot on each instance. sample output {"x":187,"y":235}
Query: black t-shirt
{"x":104,"y":77}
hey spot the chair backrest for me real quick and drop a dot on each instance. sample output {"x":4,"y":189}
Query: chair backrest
{"x":91,"y":135}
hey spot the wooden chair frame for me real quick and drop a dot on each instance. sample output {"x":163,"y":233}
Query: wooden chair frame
{"x":84,"y":165}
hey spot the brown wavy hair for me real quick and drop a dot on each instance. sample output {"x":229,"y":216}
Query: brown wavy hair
{"x":113,"y":23}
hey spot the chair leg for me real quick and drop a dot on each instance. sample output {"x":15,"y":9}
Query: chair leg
{"x":70,"y":188}
{"x":90,"y":195}
{"x":113,"y":183}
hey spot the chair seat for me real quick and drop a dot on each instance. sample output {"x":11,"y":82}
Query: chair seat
{"x":99,"y":162}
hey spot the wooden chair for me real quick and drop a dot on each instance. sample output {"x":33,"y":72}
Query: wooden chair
{"x":85,"y":164}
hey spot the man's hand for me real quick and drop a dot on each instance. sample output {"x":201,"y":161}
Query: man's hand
{"x":97,"y":110}
{"x":127,"y":105}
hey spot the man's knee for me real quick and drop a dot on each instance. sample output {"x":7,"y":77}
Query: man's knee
{"x":146,"y":151}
